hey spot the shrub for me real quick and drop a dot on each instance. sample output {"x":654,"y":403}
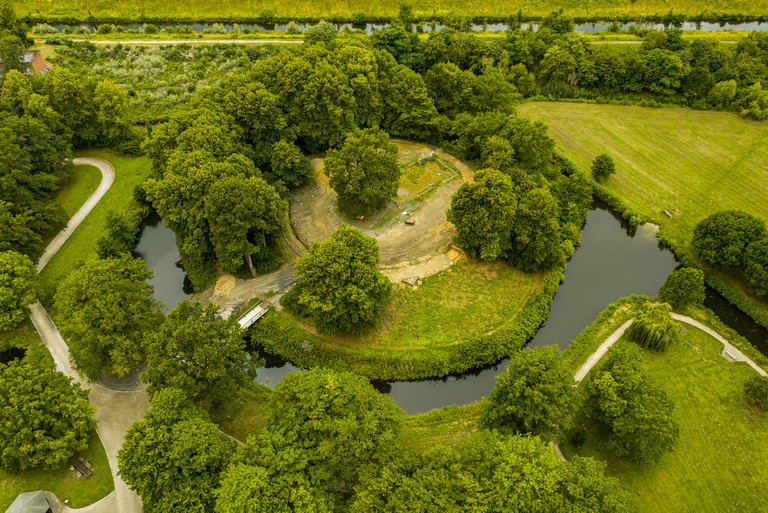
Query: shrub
{"x":359,"y":18}
{"x":266,"y":17}
{"x":104,"y":29}
{"x":323,"y":32}
{"x":148,"y":28}
{"x":603,"y":167}
{"x":756,"y":390}
{"x":292,"y":28}
{"x":44,"y":28}
{"x":218,"y":28}
{"x":683,"y":287}
{"x":654,"y":328}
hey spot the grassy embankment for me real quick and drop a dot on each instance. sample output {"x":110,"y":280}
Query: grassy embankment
{"x":61,"y":481}
{"x":690,"y":163}
{"x":83,"y":10}
{"x":81,"y":245}
{"x":720,"y":462}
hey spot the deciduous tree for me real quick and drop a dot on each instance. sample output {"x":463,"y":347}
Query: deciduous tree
{"x":18,"y":288}
{"x":756,"y":267}
{"x":105,"y":308}
{"x":364,"y":172}
{"x":339,"y":284}
{"x":484,"y":212}
{"x":722,"y":238}
{"x":45,"y":418}
{"x":290,"y":165}
{"x":536,"y":233}
{"x":603,"y":167}
{"x":534,"y":395}
{"x":683,"y":287}
{"x":199,"y":354}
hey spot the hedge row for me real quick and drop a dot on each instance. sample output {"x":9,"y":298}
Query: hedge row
{"x":279,"y":334}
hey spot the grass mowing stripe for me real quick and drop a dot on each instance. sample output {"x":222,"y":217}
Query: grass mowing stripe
{"x":690,"y":163}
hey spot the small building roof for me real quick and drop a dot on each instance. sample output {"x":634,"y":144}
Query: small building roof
{"x":30,"y":502}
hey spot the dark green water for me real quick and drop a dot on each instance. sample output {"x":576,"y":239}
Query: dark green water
{"x":612,"y":261}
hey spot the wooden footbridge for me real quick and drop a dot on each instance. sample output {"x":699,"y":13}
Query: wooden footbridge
{"x":252,"y":315}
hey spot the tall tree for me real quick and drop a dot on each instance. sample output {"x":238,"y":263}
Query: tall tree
{"x":756,"y":267}
{"x":199,"y":354}
{"x":339,"y":284}
{"x":246,"y":217}
{"x":174,"y":456}
{"x":364,"y":172}
{"x":536,"y":232}
{"x":105,"y":309}
{"x":484,"y":212}
{"x":18,"y":288}
{"x":637,"y":411}
{"x":683,"y":287}
{"x":534,"y":394}
{"x":289,"y":165}
{"x":722,"y":238}
{"x":45,"y":418}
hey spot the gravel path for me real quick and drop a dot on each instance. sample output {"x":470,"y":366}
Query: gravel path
{"x":115,"y":410}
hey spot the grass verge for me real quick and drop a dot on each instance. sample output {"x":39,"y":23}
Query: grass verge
{"x":61,"y":481}
{"x":82,"y":182}
{"x":720,"y":462}
{"x":81,"y":245}
{"x":689,"y":163}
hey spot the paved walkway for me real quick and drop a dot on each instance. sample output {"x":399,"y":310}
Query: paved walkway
{"x":115,"y":410}
{"x":108,"y":177}
{"x":729,"y":351}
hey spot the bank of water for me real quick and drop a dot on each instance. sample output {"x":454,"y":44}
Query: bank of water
{"x":581,"y":28}
{"x":613,"y":260}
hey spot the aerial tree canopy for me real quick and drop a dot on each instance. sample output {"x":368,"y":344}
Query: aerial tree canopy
{"x":683,"y":287}
{"x":534,"y":394}
{"x":484,"y":212}
{"x":104,"y":309}
{"x":18,"y":288}
{"x":45,"y":418}
{"x":339,"y":286}
{"x":364,"y":172}
{"x":722,"y":238}
{"x":199,"y":354}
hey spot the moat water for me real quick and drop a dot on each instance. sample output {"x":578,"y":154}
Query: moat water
{"x":613,"y":260}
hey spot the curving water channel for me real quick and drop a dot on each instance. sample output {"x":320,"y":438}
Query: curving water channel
{"x":581,"y":28}
{"x":613,"y":260}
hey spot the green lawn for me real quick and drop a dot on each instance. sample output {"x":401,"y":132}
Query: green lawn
{"x":690,"y":163}
{"x":81,"y":184}
{"x":720,"y":462}
{"x":80,"y":492}
{"x":129,"y":172}
{"x":470,"y":299}
{"x":234,"y":9}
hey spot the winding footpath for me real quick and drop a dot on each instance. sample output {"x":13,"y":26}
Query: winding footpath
{"x":115,"y":410}
{"x":729,"y":351}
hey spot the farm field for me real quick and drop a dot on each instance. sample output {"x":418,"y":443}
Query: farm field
{"x":720,"y":462}
{"x":690,"y":163}
{"x":248,"y":9}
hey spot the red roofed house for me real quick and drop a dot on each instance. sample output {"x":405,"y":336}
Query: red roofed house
{"x":34,"y":61}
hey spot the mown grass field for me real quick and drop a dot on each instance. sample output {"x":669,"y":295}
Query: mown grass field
{"x":81,"y":245}
{"x":690,"y":163}
{"x":61,"y":481}
{"x":720,"y":462}
{"x":239,"y":9}
{"x":470,"y":299}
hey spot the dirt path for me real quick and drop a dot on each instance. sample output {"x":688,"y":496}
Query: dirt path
{"x":729,"y":351}
{"x":157,"y":42}
{"x":115,"y":410}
